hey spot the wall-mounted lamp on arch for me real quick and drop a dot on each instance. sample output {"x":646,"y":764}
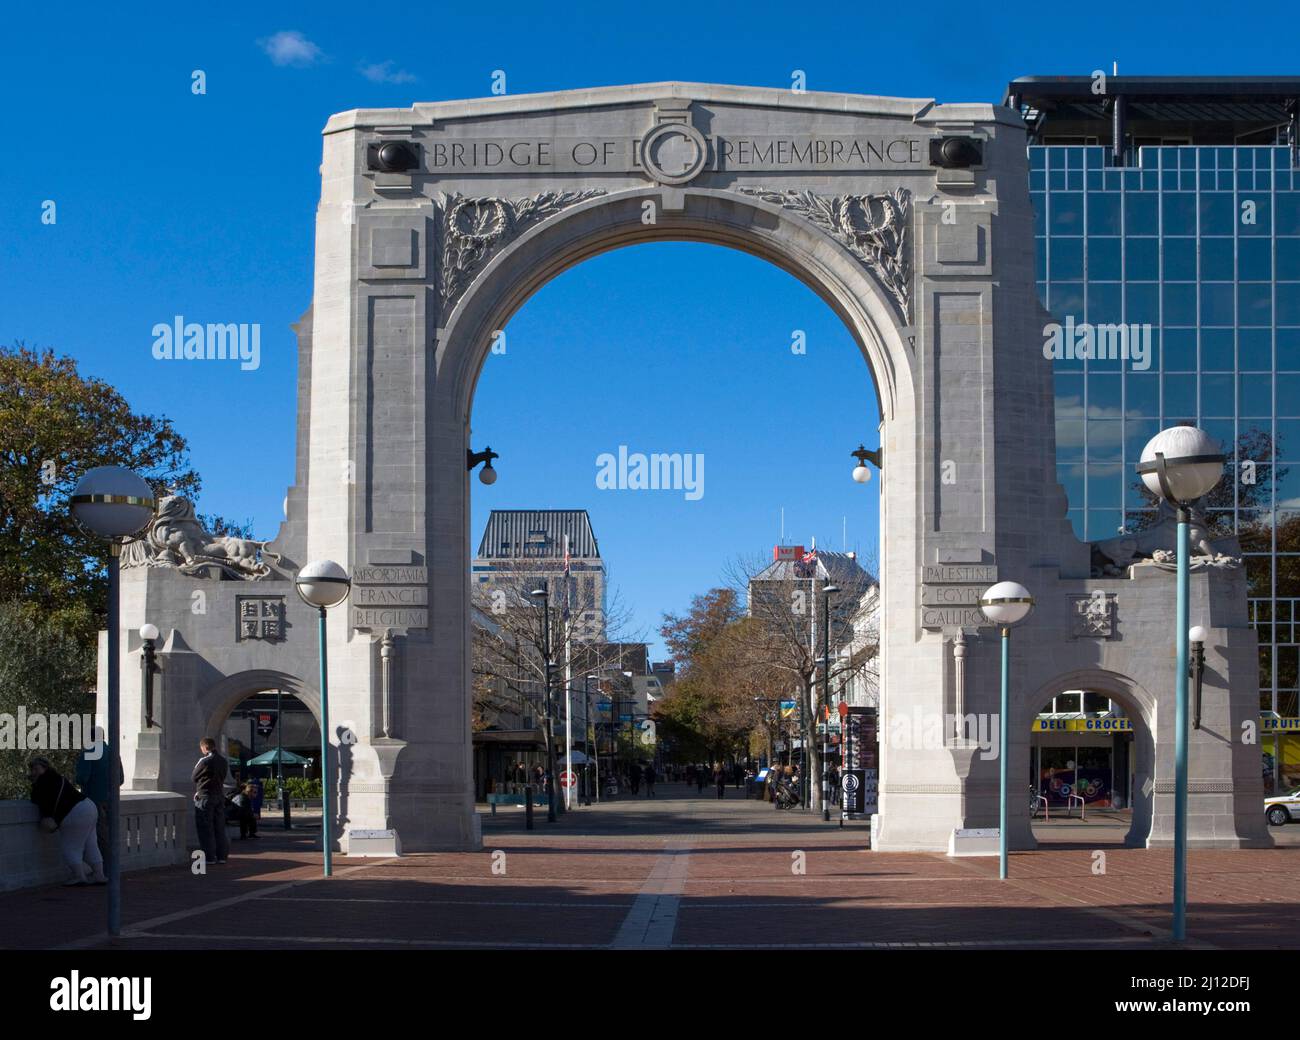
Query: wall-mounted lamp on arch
{"x":473,"y":458}
{"x":860,"y":472}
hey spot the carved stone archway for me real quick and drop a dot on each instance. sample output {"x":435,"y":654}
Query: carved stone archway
{"x":437,"y":222}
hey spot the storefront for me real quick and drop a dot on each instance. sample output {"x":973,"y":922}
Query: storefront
{"x":1085,"y":754}
{"x":1280,"y":740}
{"x":504,"y":759}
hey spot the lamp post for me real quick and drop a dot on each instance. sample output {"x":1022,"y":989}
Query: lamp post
{"x":323,"y":584}
{"x":543,"y":593}
{"x":1180,"y":465}
{"x":1005,"y":604}
{"x":1198,"y":635}
{"x":827,"y":591}
{"x":593,"y":741}
{"x":115,"y":504}
{"x":148,"y":669}
{"x":279,"y":758}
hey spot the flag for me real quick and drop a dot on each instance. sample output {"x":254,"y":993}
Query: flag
{"x":806,"y":567}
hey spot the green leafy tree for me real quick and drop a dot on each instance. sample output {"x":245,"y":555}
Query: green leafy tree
{"x":44,"y":668}
{"x":55,"y":424}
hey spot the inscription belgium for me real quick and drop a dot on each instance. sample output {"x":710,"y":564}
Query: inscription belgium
{"x":390,"y":597}
{"x":754,"y":152}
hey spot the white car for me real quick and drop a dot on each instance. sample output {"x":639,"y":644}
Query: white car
{"x":1283,"y":808}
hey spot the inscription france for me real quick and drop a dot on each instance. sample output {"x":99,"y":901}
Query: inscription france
{"x":390,"y":597}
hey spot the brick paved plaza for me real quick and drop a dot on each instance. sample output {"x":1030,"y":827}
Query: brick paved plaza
{"x":683,"y":870}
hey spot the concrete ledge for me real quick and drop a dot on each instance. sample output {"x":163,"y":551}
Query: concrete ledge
{"x":372,"y":843}
{"x":153,"y":835}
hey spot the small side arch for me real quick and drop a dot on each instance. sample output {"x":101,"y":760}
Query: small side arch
{"x":225,"y":695}
{"x":1140,"y":706}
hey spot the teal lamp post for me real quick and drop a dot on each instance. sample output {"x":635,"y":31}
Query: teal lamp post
{"x":1180,"y":465}
{"x":323,"y":584}
{"x":115,"y":504}
{"x":1005,"y":604}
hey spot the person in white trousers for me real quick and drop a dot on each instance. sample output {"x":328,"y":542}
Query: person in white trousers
{"x":65,"y":809}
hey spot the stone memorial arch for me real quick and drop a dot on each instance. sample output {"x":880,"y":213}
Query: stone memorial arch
{"x":912,"y":221}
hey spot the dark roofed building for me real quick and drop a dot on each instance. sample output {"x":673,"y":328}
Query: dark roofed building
{"x":530,"y":544}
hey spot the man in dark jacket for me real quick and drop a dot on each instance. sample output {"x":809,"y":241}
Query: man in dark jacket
{"x":210,"y":802}
{"x":92,"y":777}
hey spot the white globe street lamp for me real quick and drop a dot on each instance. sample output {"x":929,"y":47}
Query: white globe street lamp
{"x":116,"y":504}
{"x":1005,"y":604}
{"x":1180,"y":465}
{"x":861,"y":472}
{"x":323,"y":584}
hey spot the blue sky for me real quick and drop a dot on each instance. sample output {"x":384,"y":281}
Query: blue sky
{"x":172,"y":203}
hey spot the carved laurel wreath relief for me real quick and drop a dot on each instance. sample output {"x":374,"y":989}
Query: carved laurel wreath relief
{"x":874,"y":228}
{"x":475,"y":229}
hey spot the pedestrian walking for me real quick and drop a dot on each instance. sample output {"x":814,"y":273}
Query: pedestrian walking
{"x":720,"y":779}
{"x":258,"y":796}
{"x":247,"y":817}
{"x":210,"y":803}
{"x":701,"y":776}
{"x":65,"y":809}
{"x":650,"y":780}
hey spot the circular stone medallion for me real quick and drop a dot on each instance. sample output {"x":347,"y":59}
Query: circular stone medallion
{"x":674,"y":153}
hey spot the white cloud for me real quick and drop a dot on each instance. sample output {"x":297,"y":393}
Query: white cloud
{"x":383,"y":72}
{"x":290,"y":47}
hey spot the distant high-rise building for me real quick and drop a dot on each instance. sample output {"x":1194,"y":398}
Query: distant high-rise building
{"x":526,"y":545}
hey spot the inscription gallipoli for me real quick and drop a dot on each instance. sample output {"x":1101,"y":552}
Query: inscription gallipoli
{"x":950,"y":594}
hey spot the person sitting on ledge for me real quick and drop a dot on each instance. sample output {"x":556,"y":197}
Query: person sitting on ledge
{"x":65,"y":809}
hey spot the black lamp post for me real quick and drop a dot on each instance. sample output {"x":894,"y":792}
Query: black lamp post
{"x":148,"y":669}
{"x":279,"y":759}
{"x":543,"y":593}
{"x":827,"y":590}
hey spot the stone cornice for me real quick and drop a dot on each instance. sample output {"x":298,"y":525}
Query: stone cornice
{"x":423,"y":114}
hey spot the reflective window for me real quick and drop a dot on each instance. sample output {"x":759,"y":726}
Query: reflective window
{"x":1142,"y":259}
{"x":1218,"y":259}
{"x":1142,"y":213}
{"x":1065,"y":214}
{"x":1065,"y":259}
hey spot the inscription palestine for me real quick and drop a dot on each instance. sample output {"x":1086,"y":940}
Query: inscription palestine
{"x":950,"y":595}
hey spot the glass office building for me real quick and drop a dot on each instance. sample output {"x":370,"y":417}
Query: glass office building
{"x":1167,"y":222}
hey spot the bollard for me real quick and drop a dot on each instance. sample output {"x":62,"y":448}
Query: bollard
{"x":528,"y":808}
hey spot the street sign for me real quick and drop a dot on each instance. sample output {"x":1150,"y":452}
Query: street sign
{"x":603,"y":705}
{"x":568,"y":778}
{"x":853,"y":782}
{"x":844,"y":708}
